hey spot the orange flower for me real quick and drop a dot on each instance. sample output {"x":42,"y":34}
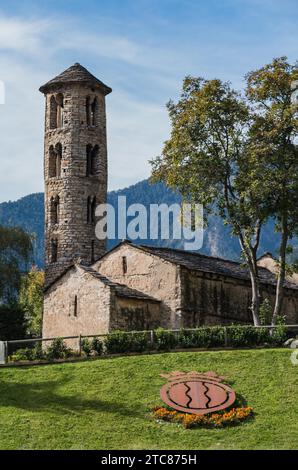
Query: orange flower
{"x":188,"y":420}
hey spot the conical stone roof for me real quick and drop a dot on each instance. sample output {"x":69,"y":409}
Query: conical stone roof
{"x":75,"y":74}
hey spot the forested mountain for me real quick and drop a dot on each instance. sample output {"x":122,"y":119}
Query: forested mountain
{"x":28,"y":213}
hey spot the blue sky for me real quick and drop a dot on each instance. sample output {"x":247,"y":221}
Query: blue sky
{"x":142,"y":49}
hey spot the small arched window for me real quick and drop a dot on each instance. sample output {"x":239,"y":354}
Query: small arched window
{"x":58,"y":149}
{"x":60,"y":106}
{"x":88,"y":160}
{"x":56,"y":111}
{"x":52,"y":162}
{"x":54,"y":250}
{"x":88,"y":209}
{"x":93,"y":209}
{"x":94,"y":160}
{"x":75,"y":306}
{"x":53,"y":112}
{"x":54,"y":210}
{"x":93,"y":112}
{"x":55,"y":160}
{"x":88,"y":110}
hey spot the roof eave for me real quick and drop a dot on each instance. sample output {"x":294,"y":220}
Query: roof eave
{"x":51,"y":87}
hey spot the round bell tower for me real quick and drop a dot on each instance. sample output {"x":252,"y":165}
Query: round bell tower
{"x":75,"y":168}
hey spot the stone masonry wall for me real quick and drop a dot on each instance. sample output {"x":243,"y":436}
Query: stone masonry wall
{"x":148,"y":274}
{"x":90,"y":316}
{"x":135,"y":315}
{"x":76,"y":237}
{"x":210,"y":299}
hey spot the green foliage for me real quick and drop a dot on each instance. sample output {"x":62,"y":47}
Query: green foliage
{"x":202,"y":337}
{"x":121,"y":341}
{"x":31,"y":300}
{"x":28,"y":354}
{"x":86,"y":346}
{"x":12,"y":322}
{"x":58,"y":350}
{"x":273,"y":150}
{"x":15,"y":251}
{"x":279,"y":333}
{"x":207,"y":160}
{"x":265,"y":312}
{"x":165,"y":340}
{"x":97,"y":346}
{"x":239,"y":336}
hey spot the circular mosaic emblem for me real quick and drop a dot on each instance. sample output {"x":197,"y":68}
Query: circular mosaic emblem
{"x":196,"y":393}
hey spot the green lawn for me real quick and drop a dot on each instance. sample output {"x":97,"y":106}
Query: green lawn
{"x":103,"y":404}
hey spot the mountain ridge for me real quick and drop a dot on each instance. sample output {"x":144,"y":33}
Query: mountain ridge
{"x":28,"y":213}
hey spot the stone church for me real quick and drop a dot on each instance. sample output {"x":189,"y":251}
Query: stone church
{"x":132,"y":287}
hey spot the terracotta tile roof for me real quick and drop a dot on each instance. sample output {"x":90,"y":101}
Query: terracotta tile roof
{"x":75,"y":74}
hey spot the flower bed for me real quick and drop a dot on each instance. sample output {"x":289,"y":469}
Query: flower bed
{"x":215,"y":420}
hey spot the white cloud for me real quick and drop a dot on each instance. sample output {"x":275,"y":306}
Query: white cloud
{"x":144,"y":68}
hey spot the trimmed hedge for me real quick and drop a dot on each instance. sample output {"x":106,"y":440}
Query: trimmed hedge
{"x":120,"y":342}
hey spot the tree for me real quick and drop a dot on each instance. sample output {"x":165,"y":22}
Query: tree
{"x":31,"y":300}
{"x":15,"y":251}
{"x":12,"y":322}
{"x":206,"y":159}
{"x":273,"y":147}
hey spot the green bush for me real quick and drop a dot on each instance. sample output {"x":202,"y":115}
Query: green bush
{"x":265,"y":312}
{"x":97,"y":346}
{"x":121,"y":341}
{"x":22,"y":354}
{"x":58,"y":350}
{"x":86,"y":346}
{"x":239,"y":336}
{"x":279,"y":333}
{"x":202,"y":337}
{"x":165,"y":340}
{"x":28,"y":354}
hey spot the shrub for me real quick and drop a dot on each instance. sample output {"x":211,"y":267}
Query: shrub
{"x":165,"y":340}
{"x":86,"y":346}
{"x":265,"y":312}
{"x":202,"y":337}
{"x":58,"y":350}
{"x":248,"y":336}
{"x":22,"y":354}
{"x":28,"y":354}
{"x":97,"y":346}
{"x":279,"y":333}
{"x":121,"y":341}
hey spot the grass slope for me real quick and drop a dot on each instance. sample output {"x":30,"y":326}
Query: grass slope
{"x":102,"y":404}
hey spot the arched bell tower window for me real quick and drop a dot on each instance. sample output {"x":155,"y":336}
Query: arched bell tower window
{"x":52,"y":162}
{"x":88,"y":209}
{"x":91,"y":208}
{"x":56,"y":111}
{"x":54,"y":250}
{"x":88,"y":160}
{"x":92,"y":154}
{"x":54,"y":209}
{"x":58,"y":149}
{"x":55,"y":158}
{"x":91,"y":111}
{"x":94,"y":160}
